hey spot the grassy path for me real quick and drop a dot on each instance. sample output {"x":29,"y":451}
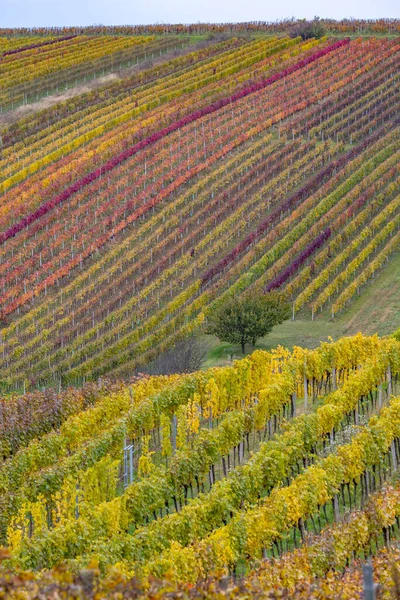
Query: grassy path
{"x":377,"y":310}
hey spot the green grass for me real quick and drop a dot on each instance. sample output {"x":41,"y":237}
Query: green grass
{"x":376,"y":310}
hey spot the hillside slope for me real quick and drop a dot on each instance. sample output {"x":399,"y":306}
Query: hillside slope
{"x":249,"y":164}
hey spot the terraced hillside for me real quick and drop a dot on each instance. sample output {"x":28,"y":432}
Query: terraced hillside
{"x":126,"y":212}
{"x":189,"y":478}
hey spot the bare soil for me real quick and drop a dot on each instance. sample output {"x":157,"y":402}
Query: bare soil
{"x":22,"y":111}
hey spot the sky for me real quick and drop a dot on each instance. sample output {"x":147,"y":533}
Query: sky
{"x":36,"y":13}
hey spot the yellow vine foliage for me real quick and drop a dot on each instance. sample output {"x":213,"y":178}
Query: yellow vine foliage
{"x":145,"y":464}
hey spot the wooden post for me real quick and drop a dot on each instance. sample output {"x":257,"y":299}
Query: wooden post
{"x":380,"y":401}
{"x":389,"y":380}
{"x":30,"y":529}
{"x":77,"y":501}
{"x":174,"y":431}
{"x":293,"y":404}
{"x":394,"y":457}
{"x":241,"y":452}
{"x":356,"y":420}
{"x":305,"y":391}
{"x":336,"y":508}
{"x":334,"y":385}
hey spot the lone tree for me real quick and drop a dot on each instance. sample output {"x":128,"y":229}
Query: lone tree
{"x":244,"y":320}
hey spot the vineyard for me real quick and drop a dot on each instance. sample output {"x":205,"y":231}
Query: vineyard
{"x":278,"y":472}
{"x":130,"y":211}
{"x":150,"y":176}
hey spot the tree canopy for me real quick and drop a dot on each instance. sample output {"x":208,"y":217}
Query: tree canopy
{"x":308,"y":29}
{"x":244,"y":320}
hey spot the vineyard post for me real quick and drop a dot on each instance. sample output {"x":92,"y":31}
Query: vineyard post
{"x":389,"y":379}
{"x":131,"y":463}
{"x":293,"y":404}
{"x":241,"y":452}
{"x":128,"y":463}
{"x":336,"y":508}
{"x":305,"y":387}
{"x":368,"y":581}
{"x":77,"y":501}
{"x":334,"y":378}
{"x":125,"y":466}
{"x":380,"y":389}
{"x":174,"y":431}
{"x":394,"y":457}
{"x":30,"y":529}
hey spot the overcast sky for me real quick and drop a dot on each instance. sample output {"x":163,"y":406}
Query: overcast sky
{"x":30,"y":13}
